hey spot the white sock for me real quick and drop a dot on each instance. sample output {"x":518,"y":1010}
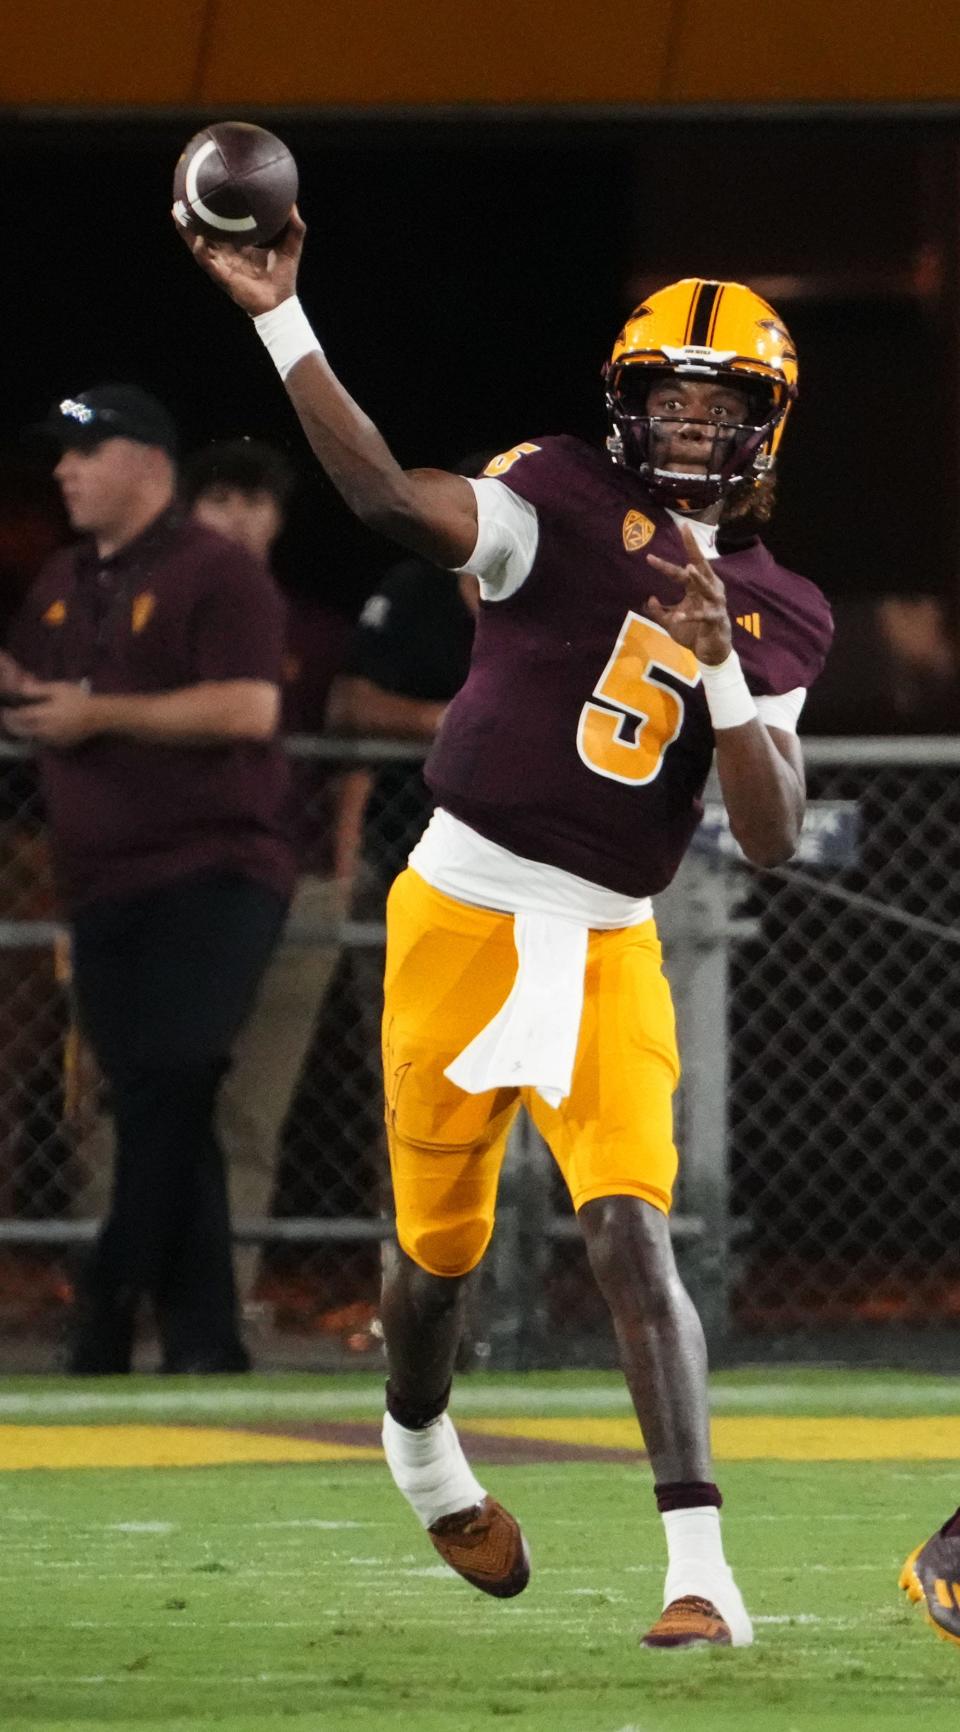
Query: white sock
{"x":696,"y":1565}
{"x":430,"y":1468}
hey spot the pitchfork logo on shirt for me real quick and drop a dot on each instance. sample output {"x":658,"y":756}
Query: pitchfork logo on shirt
{"x":142,"y":610}
{"x":637,"y":531}
{"x":56,"y":613}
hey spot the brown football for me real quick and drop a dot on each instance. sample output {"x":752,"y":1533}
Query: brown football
{"x":235,"y":182}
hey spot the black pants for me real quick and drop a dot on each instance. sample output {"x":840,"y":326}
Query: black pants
{"x":164,"y":982}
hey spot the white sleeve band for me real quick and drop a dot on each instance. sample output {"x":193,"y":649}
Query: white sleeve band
{"x":287,"y":334}
{"x":783,"y":709}
{"x":508,"y":531}
{"x":729,"y":699}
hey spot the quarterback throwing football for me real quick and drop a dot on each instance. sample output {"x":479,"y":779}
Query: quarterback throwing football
{"x":632,"y":628}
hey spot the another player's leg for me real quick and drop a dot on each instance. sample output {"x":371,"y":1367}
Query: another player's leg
{"x":931,"y":1578}
{"x":448,"y":969}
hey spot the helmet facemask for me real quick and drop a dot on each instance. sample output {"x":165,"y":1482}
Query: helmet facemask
{"x":741,"y":451}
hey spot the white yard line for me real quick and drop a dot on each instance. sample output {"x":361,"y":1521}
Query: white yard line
{"x":917,"y":1397}
{"x":304,"y":1680}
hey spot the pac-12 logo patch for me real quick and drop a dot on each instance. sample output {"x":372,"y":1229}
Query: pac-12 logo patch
{"x":637,"y":531}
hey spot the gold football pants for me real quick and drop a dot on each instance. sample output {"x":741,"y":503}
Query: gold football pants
{"x":449,"y":969}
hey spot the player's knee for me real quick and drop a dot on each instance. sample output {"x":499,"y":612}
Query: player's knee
{"x":630,"y":1249}
{"x":447,"y":1249}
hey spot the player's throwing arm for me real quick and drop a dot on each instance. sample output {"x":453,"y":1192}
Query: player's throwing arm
{"x":431,"y":512}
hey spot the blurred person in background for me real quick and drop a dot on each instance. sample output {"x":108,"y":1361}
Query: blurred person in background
{"x":242,"y":489}
{"x":145,"y":669}
{"x":633,"y":628}
{"x":894,"y":668}
{"x":408,"y":657}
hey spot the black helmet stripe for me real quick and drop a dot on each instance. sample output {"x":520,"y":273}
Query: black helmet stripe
{"x":702,"y":312}
{"x":711,"y":334}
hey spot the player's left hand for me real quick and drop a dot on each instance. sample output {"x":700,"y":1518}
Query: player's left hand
{"x":64,"y":714}
{"x":700,"y":621}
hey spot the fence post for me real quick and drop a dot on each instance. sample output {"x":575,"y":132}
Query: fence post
{"x":514,"y":1305}
{"x":695,"y":926}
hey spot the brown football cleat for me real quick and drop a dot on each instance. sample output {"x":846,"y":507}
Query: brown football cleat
{"x":688,"y":1623}
{"x":486,"y":1547}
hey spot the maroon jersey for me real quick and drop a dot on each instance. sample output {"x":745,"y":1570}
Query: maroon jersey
{"x":177,"y":606}
{"x":582,"y":736}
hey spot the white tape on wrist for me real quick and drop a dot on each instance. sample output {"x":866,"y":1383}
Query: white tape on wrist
{"x":729,"y":698}
{"x":287,"y":335}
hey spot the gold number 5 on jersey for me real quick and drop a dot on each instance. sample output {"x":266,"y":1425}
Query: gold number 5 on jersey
{"x":629,"y":686}
{"x":507,"y":459}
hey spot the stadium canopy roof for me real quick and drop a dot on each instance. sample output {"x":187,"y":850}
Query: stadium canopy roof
{"x":229,"y":55}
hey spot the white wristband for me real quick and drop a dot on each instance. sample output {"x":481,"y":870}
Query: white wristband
{"x":287,"y":334}
{"x":729,"y":698}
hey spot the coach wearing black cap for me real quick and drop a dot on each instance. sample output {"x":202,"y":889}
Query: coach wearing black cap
{"x":146,"y":668}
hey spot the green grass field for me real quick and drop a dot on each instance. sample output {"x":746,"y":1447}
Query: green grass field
{"x":305,"y":1596}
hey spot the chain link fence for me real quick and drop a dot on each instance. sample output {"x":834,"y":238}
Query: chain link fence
{"x":818,"y":1118}
{"x":844,"y":1028}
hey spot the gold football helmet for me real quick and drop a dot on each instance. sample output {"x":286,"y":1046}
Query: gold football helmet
{"x":699,"y":328}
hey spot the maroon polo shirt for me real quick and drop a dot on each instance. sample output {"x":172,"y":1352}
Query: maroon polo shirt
{"x":177,"y":606}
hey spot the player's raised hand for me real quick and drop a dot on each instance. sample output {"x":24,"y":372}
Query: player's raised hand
{"x":257,"y":278}
{"x":700,"y":621}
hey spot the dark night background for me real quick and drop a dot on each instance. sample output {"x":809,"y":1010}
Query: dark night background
{"x":468,"y":277}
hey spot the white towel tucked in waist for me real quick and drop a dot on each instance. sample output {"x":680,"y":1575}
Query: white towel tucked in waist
{"x":532,"y":1040}
{"x":469,"y":867}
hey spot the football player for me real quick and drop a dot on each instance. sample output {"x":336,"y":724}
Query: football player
{"x":931,"y":1578}
{"x":632,"y":627}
